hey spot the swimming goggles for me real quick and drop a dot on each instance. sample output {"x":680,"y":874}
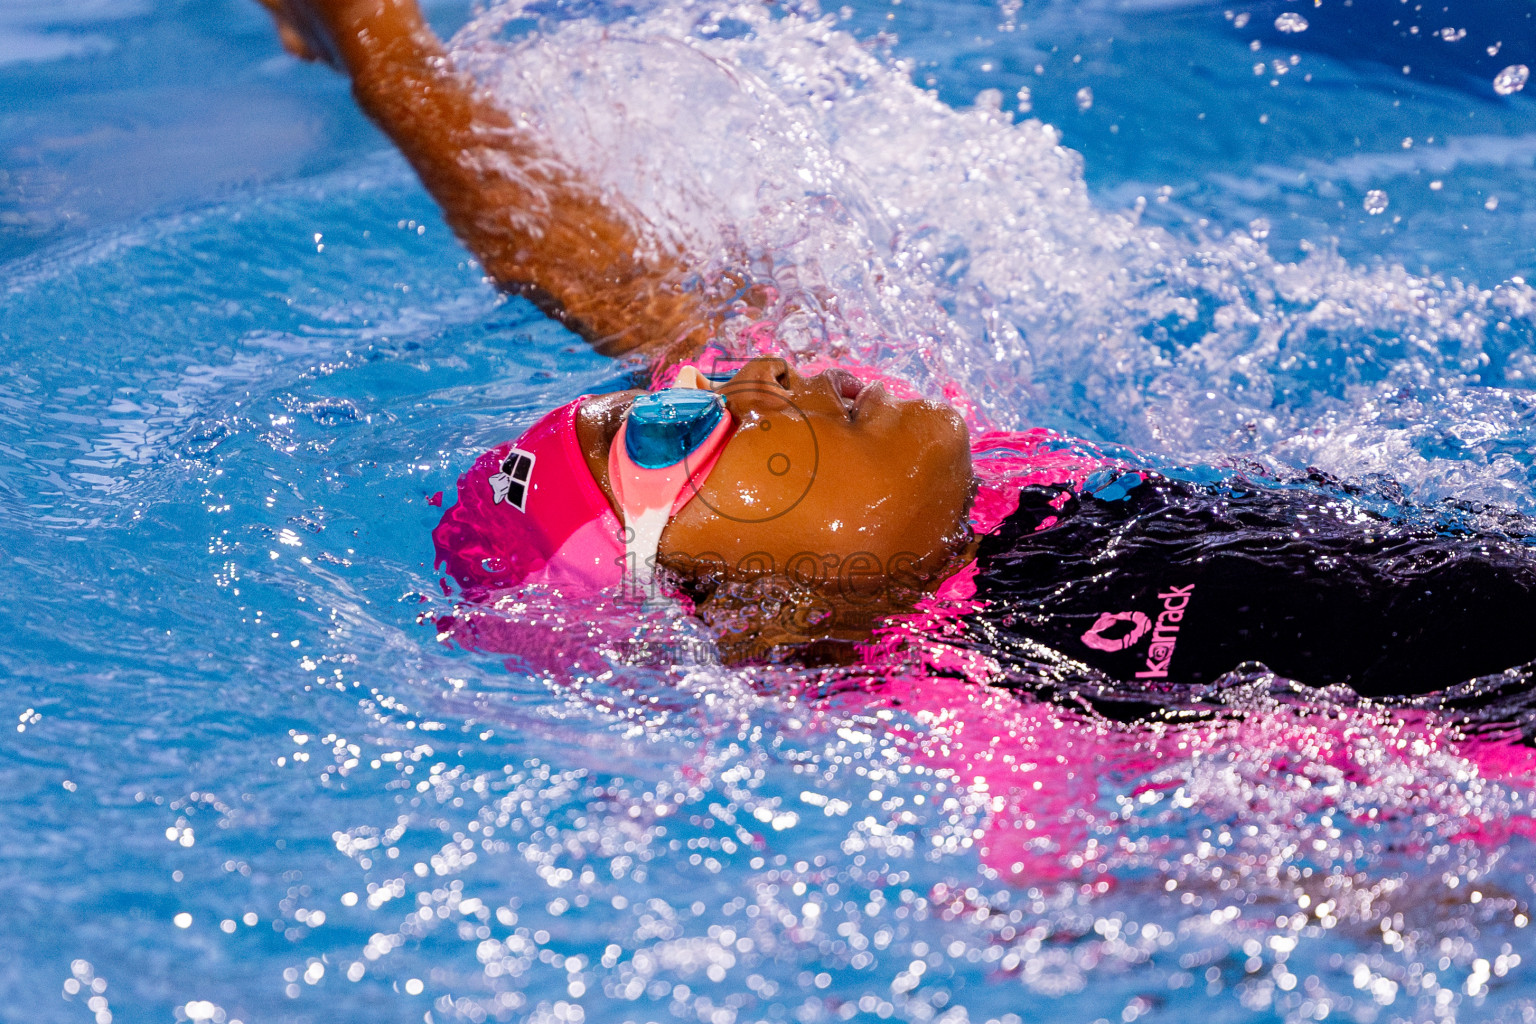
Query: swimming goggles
{"x":665,"y":448}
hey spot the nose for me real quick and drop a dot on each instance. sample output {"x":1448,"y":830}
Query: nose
{"x":764,"y":371}
{"x":765,"y":386}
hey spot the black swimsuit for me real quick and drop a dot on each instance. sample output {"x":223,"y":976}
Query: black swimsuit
{"x":1175,"y":584}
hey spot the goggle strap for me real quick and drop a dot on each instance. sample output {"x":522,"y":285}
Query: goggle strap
{"x":649,"y":498}
{"x":642,"y":538}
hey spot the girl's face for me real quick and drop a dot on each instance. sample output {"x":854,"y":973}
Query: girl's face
{"x":827,"y":480}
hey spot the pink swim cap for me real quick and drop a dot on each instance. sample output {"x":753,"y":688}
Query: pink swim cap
{"x":529,"y":512}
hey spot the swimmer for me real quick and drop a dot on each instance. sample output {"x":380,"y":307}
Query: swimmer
{"x":799,"y":513}
{"x":830,"y":464}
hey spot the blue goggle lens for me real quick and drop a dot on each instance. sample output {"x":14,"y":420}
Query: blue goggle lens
{"x":667,"y":426}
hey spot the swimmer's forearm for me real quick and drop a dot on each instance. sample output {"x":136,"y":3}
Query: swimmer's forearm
{"x":534,"y":227}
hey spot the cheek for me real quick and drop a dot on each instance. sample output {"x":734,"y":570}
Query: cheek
{"x":916,"y":501}
{"x":939,"y":450}
{"x":764,"y":475}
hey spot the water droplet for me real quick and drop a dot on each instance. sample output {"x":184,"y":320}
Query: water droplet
{"x":1511,"y":80}
{"x":1375,"y":201}
{"x":1085,"y":98}
{"x":1290,"y":21}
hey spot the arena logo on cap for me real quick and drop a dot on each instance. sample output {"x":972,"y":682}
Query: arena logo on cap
{"x":511,"y":484}
{"x":1165,"y":633}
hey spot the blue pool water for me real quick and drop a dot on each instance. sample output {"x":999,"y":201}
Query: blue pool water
{"x":244,"y":780}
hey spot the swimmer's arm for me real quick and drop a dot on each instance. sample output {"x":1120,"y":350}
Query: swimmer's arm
{"x":535,"y":227}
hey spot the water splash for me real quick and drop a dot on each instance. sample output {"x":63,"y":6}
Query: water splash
{"x":960,"y":246}
{"x":1511,"y":80}
{"x":1291,"y":22}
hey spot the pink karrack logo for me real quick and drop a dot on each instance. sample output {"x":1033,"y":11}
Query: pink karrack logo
{"x":1165,"y":633}
{"x":1096,"y":639}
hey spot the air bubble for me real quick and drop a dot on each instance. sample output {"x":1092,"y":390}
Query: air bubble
{"x":1290,"y":21}
{"x":1375,"y":201}
{"x":1511,"y":80}
{"x":1085,"y":99}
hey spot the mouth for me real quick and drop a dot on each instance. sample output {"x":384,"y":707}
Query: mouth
{"x":848,"y":389}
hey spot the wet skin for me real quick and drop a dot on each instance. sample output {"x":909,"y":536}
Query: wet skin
{"x":826,"y":479}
